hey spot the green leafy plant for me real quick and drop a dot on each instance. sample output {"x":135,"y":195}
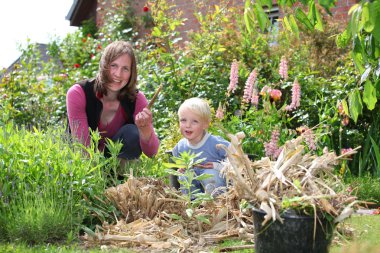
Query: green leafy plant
{"x":47,"y":185}
{"x":193,"y":198}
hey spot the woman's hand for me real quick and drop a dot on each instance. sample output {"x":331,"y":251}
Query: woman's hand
{"x":143,"y":122}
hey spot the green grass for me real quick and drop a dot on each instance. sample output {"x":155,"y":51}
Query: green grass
{"x":23,"y":248}
{"x":366,"y":235}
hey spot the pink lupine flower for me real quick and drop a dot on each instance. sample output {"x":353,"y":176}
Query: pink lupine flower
{"x":283,"y":71}
{"x":271,"y":148}
{"x":234,"y":76}
{"x":255,"y":97}
{"x":275,"y":95}
{"x":277,"y":153}
{"x":309,"y":138}
{"x":219,"y":113}
{"x":248,"y":90}
{"x":345,"y":150}
{"x":296,"y":96}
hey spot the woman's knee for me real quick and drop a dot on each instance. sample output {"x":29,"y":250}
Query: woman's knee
{"x":128,"y":135}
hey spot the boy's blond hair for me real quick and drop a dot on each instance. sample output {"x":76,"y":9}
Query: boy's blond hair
{"x":198,"y":106}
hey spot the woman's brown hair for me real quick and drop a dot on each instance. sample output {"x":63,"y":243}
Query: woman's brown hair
{"x":111,"y":53}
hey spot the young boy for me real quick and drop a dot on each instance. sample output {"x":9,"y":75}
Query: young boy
{"x":194,"y":119}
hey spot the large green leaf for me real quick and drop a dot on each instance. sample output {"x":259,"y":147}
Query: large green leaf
{"x":285,"y":21}
{"x":355,"y":12}
{"x":315,"y":17}
{"x":311,"y":15}
{"x":365,"y":16}
{"x":356,"y":105}
{"x":369,"y":25}
{"x":294,"y":26}
{"x":249,"y":18}
{"x":261,"y":16}
{"x":357,"y":55}
{"x":301,"y":16}
{"x":327,"y":5}
{"x":369,"y":95}
{"x":375,"y":13}
{"x":319,"y":24}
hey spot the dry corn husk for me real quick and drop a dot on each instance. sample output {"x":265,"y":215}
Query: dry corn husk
{"x":147,"y":206}
{"x":295,"y":175}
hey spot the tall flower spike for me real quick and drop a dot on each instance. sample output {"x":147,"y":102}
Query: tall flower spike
{"x":249,"y":86}
{"x":255,"y":97}
{"x":283,"y":71}
{"x":310,"y":139}
{"x":296,"y":96}
{"x":234,"y":75}
{"x":219,"y":113}
{"x":271,"y":148}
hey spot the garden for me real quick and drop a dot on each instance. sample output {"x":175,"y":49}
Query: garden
{"x":298,"y":96}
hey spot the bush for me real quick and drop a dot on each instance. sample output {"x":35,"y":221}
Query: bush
{"x":366,"y":188}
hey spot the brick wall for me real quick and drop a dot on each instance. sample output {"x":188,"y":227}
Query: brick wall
{"x":188,"y":7}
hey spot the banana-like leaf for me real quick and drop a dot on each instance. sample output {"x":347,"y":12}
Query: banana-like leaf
{"x":356,"y":105}
{"x":369,"y":95}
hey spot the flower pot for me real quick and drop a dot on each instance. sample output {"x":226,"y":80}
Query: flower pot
{"x":295,"y":235}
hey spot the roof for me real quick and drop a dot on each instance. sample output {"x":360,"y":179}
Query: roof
{"x":81,"y":10}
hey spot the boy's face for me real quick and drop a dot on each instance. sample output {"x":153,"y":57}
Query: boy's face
{"x":192,"y":126}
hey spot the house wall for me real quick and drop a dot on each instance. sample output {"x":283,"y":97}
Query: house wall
{"x":188,"y":7}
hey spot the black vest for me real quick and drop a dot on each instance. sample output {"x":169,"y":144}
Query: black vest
{"x":94,"y":106}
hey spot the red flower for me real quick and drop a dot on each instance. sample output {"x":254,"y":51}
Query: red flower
{"x":145,"y":9}
{"x":89,"y":35}
{"x":84,"y":40}
{"x":275,"y":95}
{"x":99,"y":46}
{"x":76,"y":65}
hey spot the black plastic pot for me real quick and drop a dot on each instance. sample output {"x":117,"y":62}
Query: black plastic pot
{"x":295,"y":235}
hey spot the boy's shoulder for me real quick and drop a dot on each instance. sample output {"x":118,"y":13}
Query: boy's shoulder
{"x":217,"y":138}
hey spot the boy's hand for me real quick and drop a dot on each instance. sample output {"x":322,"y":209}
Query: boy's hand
{"x":181,"y":170}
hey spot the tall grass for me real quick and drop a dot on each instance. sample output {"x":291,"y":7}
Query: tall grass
{"x":45,"y":180}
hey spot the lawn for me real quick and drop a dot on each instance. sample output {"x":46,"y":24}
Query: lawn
{"x":366,"y":235}
{"x":365,"y":240}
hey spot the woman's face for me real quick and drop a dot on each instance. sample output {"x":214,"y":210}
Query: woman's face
{"x":120,"y":72}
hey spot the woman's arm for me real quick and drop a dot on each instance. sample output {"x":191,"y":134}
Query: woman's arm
{"x":143,"y":119}
{"x":76,"y":113}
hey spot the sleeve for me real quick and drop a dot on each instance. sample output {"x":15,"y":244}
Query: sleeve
{"x":221,"y":152}
{"x":150,"y":148}
{"x":76,"y":113}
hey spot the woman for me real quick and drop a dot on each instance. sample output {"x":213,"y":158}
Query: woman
{"x":113,"y":105}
